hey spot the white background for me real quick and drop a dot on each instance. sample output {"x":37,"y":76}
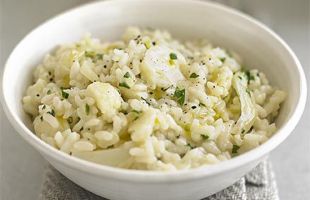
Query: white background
{"x":21,"y":167}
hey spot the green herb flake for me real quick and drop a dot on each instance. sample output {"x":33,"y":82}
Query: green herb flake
{"x":124,"y":84}
{"x":235,"y":149}
{"x":90,"y":54}
{"x":252,"y":78}
{"x":87,"y":109}
{"x":99,"y":56}
{"x":249,"y":76}
{"x":49,"y":92}
{"x":44,"y":106}
{"x":135,"y":111}
{"x":222,"y":59}
{"x":93,"y":55}
{"x":205,"y":137}
{"x":41,"y":118}
{"x":194,"y":75}
{"x":127,"y":75}
{"x":190,"y":146}
{"x":64,"y":94}
{"x":180,"y":95}
{"x":173,"y":56}
{"x":248,"y":91}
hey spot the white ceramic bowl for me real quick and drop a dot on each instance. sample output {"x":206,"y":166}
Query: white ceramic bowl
{"x":258,"y":46}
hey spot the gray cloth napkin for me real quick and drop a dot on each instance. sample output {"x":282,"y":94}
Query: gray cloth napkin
{"x":259,"y":184}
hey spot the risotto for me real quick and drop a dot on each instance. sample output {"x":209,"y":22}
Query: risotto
{"x":150,"y":102}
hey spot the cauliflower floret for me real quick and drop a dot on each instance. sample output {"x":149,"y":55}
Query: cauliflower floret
{"x":161,"y":66}
{"x":248,"y":112}
{"x":107,"y":98}
{"x":87,"y":70}
{"x":141,"y":128}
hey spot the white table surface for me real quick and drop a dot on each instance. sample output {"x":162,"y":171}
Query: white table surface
{"x":21,"y":167}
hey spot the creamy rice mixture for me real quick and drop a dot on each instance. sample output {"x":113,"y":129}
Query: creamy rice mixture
{"x":150,"y":102}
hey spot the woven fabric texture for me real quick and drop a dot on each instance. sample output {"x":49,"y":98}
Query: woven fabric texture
{"x":256,"y":185}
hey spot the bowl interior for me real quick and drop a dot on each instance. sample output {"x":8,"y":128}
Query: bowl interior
{"x":184,"y":19}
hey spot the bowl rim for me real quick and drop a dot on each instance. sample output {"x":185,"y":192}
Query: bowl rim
{"x":159,"y":176}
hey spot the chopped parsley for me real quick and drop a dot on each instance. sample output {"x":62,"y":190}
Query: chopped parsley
{"x":99,"y":56}
{"x":222,"y":59}
{"x":93,"y":55}
{"x":235,"y":149}
{"x":135,"y":111}
{"x":127,"y":75}
{"x":64,"y":94}
{"x":194,"y":75}
{"x":205,"y":137}
{"x":248,"y":91}
{"x":249,"y":76}
{"x":87,"y":109}
{"x":124,"y":84}
{"x":180,"y":95}
{"x":190,"y":146}
{"x":41,"y":118}
{"x":52,"y":112}
{"x":49,"y":92}
{"x":90,"y":54}
{"x":173,"y":56}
